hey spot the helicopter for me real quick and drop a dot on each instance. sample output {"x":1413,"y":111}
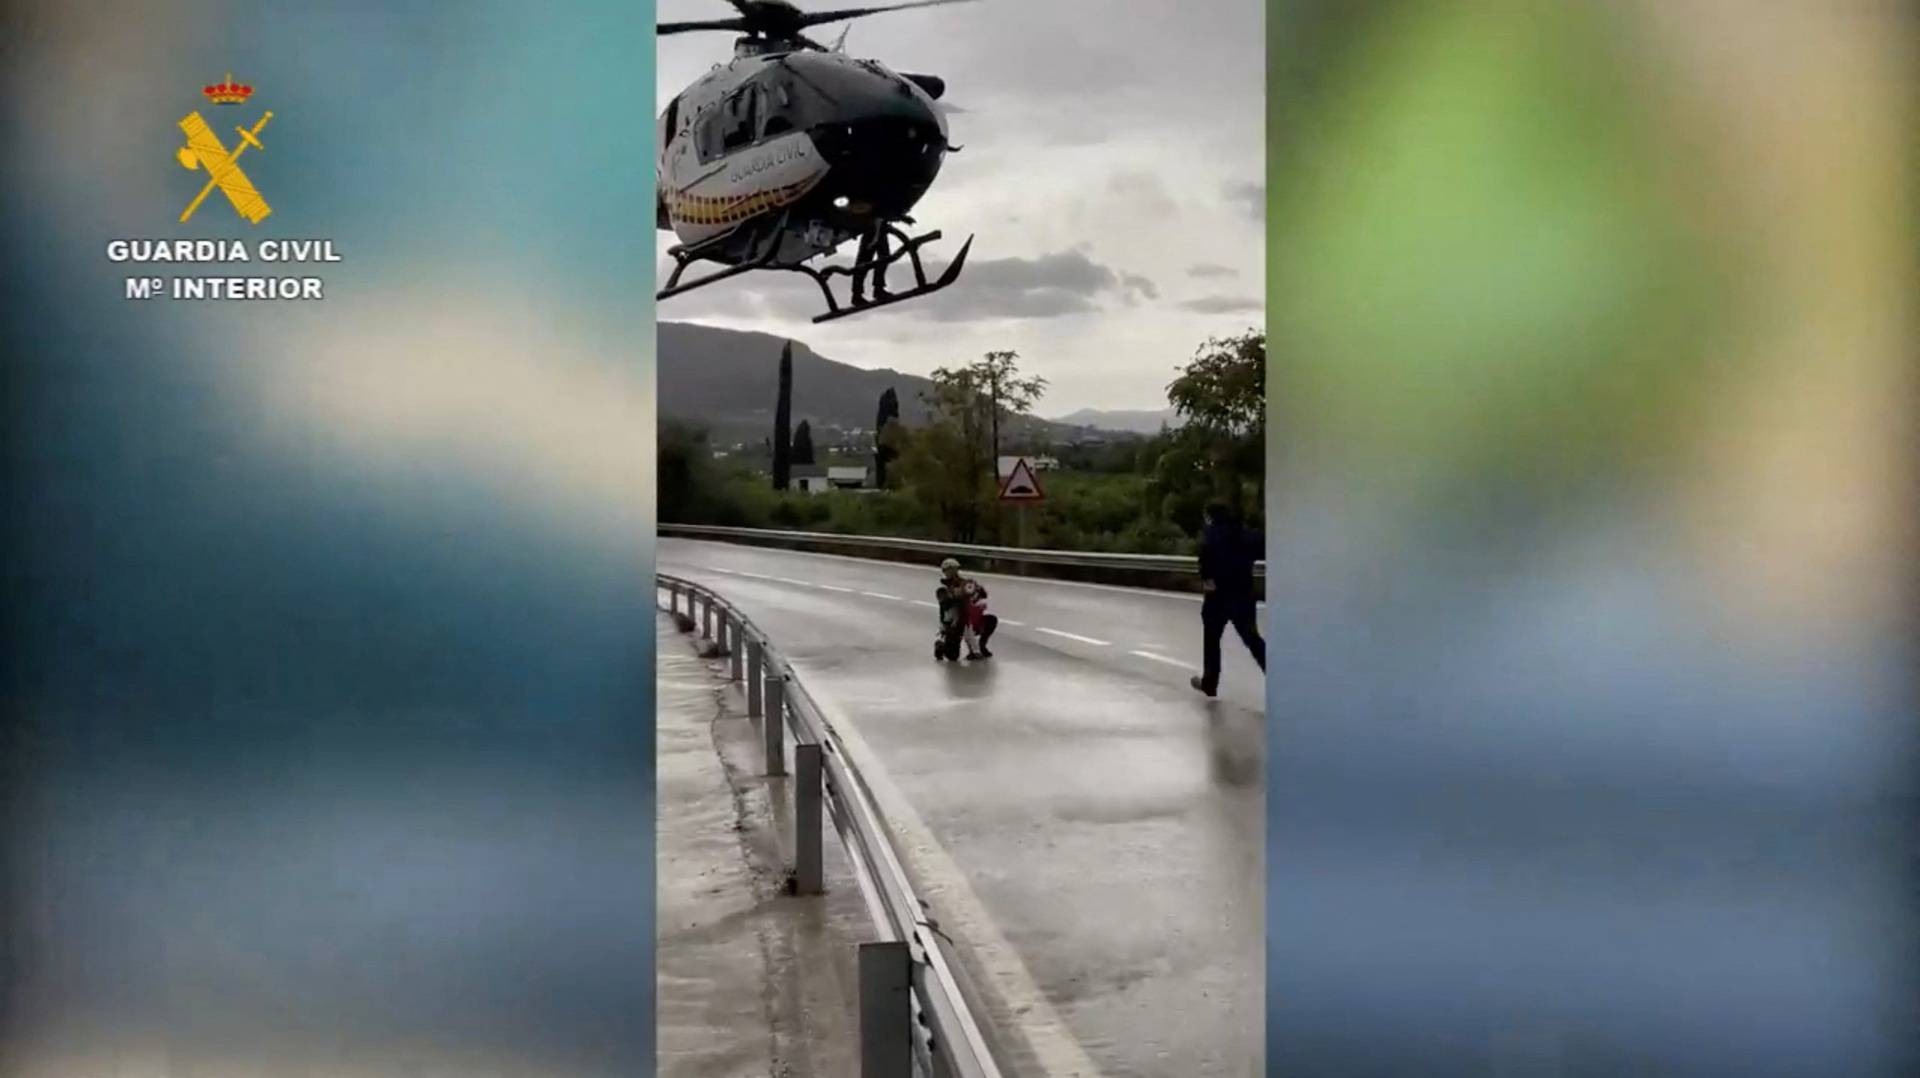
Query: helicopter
{"x":793,"y":148}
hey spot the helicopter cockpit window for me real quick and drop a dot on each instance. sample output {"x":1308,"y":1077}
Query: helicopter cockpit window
{"x":670,"y":123}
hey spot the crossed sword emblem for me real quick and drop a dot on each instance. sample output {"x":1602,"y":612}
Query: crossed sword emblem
{"x":204,"y":150}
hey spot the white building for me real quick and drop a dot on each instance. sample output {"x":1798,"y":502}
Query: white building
{"x":849,"y":477}
{"x":808,"y":478}
{"x":1004,"y":467}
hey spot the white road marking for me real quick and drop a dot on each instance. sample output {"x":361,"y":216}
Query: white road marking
{"x":881,"y":595}
{"x":960,"y":912}
{"x":790,"y":580}
{"x":924,"y":602}
{"x":831,"y":587}
{"x":1162,"y":659}
{"x":1010,"y":621}
{"x":1073,"y":636}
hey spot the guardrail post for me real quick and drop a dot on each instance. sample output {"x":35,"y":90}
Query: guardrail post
{"x":886,"y":1010}
{"x":773,"y":725}
{"x":754,"y":678}
{"x":706,"y":619}
{"x":736,"y":632}
{"x":808,"y":879}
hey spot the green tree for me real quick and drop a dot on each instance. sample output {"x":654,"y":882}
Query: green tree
{"x":1180,"y":485}
{"x":683,"y":466}
{"x":940,"y":468}
{"x":958,"y":401}
{"x":1221,"y":395}
{"x":971,"y":400}
{"x":1008,"y":394}
{"x":802,"y":452}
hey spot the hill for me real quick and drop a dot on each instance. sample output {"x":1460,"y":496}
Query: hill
{"x":1134,"y":421}
{"x":727,"y":381}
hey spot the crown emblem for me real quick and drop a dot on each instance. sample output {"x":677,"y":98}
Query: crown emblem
{"x":228,"y":92}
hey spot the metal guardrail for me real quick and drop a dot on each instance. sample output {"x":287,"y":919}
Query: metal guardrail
{"x":912,"y":1011}
{"x":1162,"y":563}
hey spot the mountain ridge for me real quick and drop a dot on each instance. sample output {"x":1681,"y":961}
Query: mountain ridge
{"x":727,"y":381}
{"x":1129,"y":420}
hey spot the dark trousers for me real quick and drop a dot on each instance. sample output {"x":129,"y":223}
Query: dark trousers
{"x":872,"y":245}
{"x":1216,"y":613}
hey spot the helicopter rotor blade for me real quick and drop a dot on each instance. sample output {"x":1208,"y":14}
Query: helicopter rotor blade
{"x":707,"y":24}
{"x":815,"y":18}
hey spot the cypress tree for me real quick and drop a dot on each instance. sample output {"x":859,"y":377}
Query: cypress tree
{"x":782,"y":421}
{"x":882,"y":455}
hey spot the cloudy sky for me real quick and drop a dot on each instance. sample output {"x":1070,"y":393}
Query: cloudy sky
{"x":1112,"y":171}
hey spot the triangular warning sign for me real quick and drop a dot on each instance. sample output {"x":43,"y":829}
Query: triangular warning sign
{"x":1022,"y":484}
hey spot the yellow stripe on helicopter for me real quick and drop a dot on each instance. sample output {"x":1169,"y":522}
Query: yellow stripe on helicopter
{"x":732,"y":209}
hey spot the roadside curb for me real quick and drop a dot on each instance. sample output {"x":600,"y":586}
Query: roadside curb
{"x":752,"y":980}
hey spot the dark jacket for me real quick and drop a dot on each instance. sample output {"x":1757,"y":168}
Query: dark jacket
{"x":953,"y":599}
{"x":1227,"y":554}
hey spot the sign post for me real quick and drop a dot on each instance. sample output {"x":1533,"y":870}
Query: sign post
{"x":1022,"y":488}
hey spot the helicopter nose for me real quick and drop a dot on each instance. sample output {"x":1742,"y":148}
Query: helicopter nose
{"x":887,"y":163}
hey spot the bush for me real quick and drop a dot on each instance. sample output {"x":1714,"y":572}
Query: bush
{"x":1152,"y":510}
{"x":1154,"y":537}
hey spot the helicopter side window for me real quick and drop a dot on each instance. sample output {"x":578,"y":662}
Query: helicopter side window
{"x":713,"y":129}
{"x":776,"y":109}
{"x":738,"y":128}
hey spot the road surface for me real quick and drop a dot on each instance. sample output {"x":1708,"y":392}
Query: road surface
{"x":1086,"y":825}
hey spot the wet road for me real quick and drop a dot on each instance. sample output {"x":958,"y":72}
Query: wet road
{"x":1088,"y":827}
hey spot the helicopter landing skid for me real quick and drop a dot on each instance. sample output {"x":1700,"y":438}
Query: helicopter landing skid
{"x":763,"y":255}
{"x":909,"y":249}
{"x":687,"y":256}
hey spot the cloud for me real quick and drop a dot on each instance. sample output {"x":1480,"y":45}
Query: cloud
{"x":1144,"y":193}
{"x":755,"y":297}
{"x":1050,"y":286}
{"x":1250,"y":197}
{"x":1140,"y":286}
{"x":1054,"y":285}
{"x":1222,"y":305}
{"x":1212,"y":269}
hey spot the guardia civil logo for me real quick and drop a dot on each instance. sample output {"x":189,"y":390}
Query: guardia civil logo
{"x":205,"y":152}
{"x":218,"y":165}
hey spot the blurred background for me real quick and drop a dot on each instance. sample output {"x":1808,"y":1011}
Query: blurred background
{"x":1592,"y":553}
{"x":328,"y":661}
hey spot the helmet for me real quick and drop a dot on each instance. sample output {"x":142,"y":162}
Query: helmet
{"x":950,"y":565}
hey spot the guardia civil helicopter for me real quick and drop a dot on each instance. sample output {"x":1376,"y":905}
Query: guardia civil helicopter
{"x":781,"y":156}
